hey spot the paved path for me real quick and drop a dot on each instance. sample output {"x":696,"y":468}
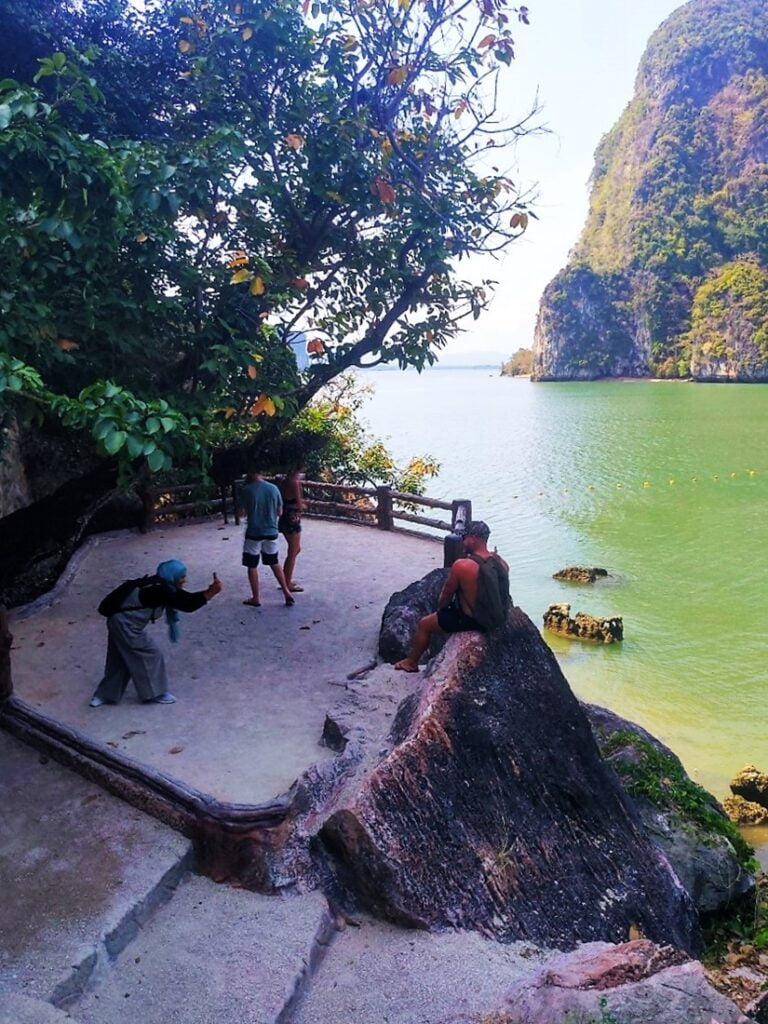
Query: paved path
{"x":79,"y":871}
{"x":253,"y":685}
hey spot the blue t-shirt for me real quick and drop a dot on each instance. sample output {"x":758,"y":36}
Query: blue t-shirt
{"x":261,"y":501}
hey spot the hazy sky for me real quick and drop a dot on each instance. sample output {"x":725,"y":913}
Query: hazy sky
{"x":581,"y":56}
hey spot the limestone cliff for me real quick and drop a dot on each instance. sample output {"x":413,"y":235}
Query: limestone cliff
{"x":670,"y":275}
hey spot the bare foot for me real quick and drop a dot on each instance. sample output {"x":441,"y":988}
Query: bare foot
{"x":406,"y":665}
{"x":289,"y":601}
{"x":294,"y":588}
{"x":252,"y":603}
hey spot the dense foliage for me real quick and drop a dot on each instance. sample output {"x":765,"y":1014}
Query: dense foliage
{"x":183,"y":187}
{"x":679,"y":185}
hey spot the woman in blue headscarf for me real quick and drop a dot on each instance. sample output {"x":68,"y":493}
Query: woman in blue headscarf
{"x":131,"y":652}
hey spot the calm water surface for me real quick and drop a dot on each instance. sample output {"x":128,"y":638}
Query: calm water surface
{"x":663,"y":484}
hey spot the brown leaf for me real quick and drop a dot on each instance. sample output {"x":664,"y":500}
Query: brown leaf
{"x":252,"y":372}
{"x":397,"y":75}
{"x":66,"y":345}
{"x":175,"y":750}
{"x":294,"y":140}
{"x":383,"y":190}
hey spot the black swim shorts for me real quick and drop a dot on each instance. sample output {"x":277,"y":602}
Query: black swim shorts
{"x":454,"y":620}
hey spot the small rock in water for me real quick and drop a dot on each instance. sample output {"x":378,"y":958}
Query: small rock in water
{"x":752,"y":785}
{"x":580,"y":574}
{"x":583,"y":626}
{"x":745,"y":812}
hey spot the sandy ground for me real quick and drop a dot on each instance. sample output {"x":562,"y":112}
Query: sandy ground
{"x":253,"y":685}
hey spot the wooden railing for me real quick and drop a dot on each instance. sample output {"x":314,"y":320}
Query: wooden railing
{"x":381,"y":507}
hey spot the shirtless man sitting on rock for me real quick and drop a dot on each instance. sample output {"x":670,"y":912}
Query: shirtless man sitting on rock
{"x":461,"y":599}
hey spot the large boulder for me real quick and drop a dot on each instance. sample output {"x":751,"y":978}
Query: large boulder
{"x":634,"y":983}
{"x":490,"y":808}
{"x":402,"y":614}
{"x":683,"y":820}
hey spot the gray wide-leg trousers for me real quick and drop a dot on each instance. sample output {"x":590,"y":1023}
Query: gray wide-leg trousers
{"x":131,"y":655}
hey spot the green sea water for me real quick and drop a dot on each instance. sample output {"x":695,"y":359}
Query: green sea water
{"x":663,"y":484}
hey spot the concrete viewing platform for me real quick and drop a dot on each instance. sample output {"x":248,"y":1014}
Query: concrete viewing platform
{"x":253,"y":685}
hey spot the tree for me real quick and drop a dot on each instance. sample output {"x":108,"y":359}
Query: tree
{"x":324,"y":168}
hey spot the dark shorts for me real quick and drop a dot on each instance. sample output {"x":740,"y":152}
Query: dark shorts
{"x":454,"y":620}
{"x":289,"y":522}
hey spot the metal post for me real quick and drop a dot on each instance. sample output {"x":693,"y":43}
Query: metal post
{"x":384,"y":518}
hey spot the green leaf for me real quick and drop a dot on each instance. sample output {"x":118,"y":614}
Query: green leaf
{"x":153,"y":425}
{"x":114,"y":442}
{"x":134,"y":446}
{"x":14,"y":383}
{"x":168,"y":423}
{"x":5,"y":115}
{"x":156,"y":460}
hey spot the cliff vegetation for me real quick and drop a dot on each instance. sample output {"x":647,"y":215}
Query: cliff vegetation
{"x":669,"y":275}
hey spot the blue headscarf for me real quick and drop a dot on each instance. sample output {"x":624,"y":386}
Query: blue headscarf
{"x":170,"y":573}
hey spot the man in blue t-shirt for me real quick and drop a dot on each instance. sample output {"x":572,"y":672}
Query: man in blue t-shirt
{"x":261,"y":504}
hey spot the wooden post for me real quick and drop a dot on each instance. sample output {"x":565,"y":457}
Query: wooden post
{"x":461,"y":515}
{"x":223,"y":496}
{"x":234,"y":502}
{"x":453,"y":544}
{"x":384,"y":518}
{"x":6,"y":684}
{"x":453,"y":548}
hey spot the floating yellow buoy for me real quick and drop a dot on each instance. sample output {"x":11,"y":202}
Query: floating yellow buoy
{"x":753,"y":472}
{"x":619,"y":485}
{"x":734,"y":475}
{"x":694,"y":479}
{"x":590,"y":487}
{"x":646,"y":483}
{"x":715,"y":477}
{"x":672,"y":481}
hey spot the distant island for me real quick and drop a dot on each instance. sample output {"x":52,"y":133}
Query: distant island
{"x":670,"y":275}
{"x":518,"y":365}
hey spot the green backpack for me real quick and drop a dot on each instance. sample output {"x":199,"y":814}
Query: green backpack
{"x":493,"y":600}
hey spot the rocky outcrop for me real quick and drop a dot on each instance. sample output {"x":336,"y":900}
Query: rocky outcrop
{"x":490,"y":808}
{"x":580,"y":574}
{"x":744,"y":812}
{"x":684,"y":821}
{"x":752,"y":785}
{"x":669,"y":276}
{"x":634,"y":983}
{"x":583,"y":626}
{"x":402,"y":614}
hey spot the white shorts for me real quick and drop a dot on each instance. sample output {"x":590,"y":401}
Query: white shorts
{"x":252,"y":549}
